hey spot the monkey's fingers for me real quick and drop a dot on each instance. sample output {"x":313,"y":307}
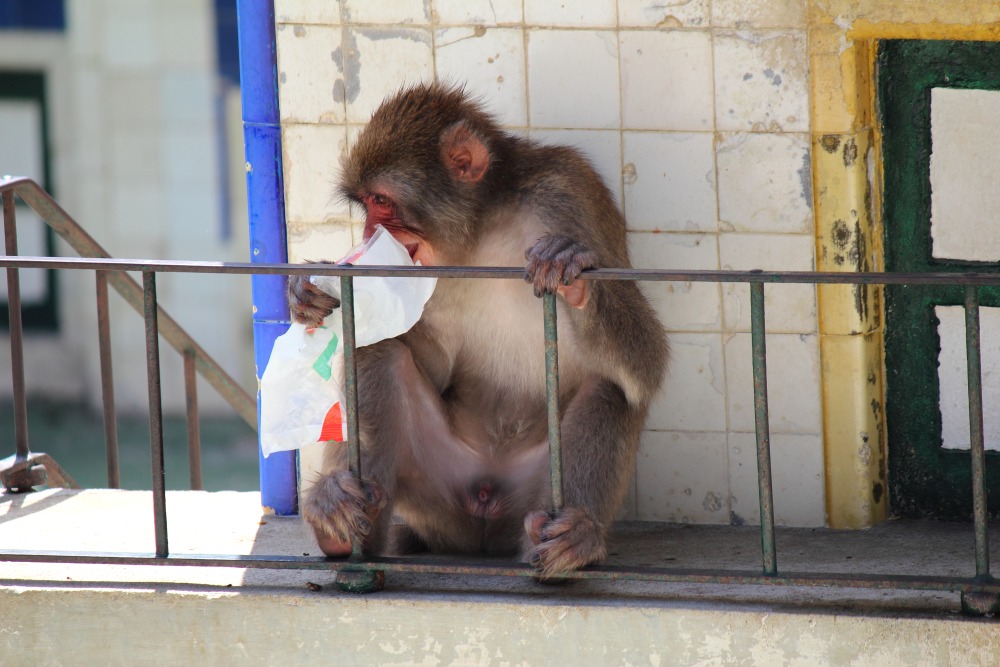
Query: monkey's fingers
{"x":533,"y":524}
{"x":341,"y":511}
{"x":308,"y":304}
{"x":554,"y":264}
{"x":571,"y":540}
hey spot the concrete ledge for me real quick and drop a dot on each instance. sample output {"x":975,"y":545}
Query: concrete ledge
{"x":95,"y":614}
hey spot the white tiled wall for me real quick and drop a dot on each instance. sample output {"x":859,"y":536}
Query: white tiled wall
{"x":139,"y":140}
{"x":696,"y":113}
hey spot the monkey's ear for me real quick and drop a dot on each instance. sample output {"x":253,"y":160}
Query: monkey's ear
{"x":464,"y":154}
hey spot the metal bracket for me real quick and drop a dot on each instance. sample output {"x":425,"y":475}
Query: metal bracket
{"x":20,"y":474}
{"x":980,"y":604}
{"x":356,"y":579}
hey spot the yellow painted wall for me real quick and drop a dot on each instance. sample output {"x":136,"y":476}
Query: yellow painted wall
{"x":843,"y":37}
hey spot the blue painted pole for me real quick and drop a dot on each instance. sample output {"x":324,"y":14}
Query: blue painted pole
{"x":266,"y":205}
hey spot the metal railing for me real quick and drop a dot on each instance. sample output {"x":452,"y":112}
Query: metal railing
{"x":359,"y":572}
{"x":25,"y":468}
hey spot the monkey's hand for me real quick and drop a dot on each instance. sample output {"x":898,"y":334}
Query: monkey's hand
{"x":564,"y":541}
{"x":308,"y":304}
{"x":555,"y":263}
{"x":342,"y":510}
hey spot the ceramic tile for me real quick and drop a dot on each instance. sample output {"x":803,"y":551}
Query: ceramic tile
{"x":765,"y":183}
{"x":667,"y":80}
{"x":479,"y":12}
{"x":311,"y":82}
{"x":393,"y":12}
{"x":570,"y":13}
{"x":602,"y":147}
{"x":85,"y":37}
{"x":134,"y":99}
{"x":125,"y":237}
{"x":311,"y":174}
{"x":185,"y":35}
{"x":325,"y":12}
{"x":659,"y":14}
{"x":797,"y":480}
{"x":787,"y":308}
{"x":187,"y":96}
{"x":761,"y":81}
{"x":378,"y":61}
{"x":682,"y":477}
{"x":681,"y":306}
{"x":792,"y":383}
{"x":670,"y":181}
{"x":491,"y":65}
{"x":129,"y":40}
{"x":745,"y":14}
{"x":136,"y":153}
{"x":693,"y":396}
{"x":189,"y":157}
{"x":329,"y":240}
{"x":573,"y":92}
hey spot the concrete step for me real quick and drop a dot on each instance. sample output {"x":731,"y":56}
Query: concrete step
{"x":113,"y":614}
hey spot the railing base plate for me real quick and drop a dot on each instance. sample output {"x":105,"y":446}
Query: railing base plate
{"x":980,"y":604}
{"x":352,"y":579}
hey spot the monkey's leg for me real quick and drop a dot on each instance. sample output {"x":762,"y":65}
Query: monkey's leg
{"x":398,"y":410}
{"x":600,"y":435}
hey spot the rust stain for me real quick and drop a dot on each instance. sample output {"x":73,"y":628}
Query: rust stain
{"x":830,"y":142}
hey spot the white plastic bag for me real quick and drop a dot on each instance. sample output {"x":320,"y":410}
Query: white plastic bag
{"x":301,"y":394}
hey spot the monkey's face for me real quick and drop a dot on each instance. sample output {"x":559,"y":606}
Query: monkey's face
{"x":381,"y":209}
{"x":417,"y":168}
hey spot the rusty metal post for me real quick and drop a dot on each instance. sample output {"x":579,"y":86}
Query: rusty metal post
{"x":193,"y":424}
{"x":155,"y":413}
{"x":107,"y":381}
{"x":762,"y":427}
{"x":552,"y":396}
{"x":16,"y":330}
{"x":354,"y":578}
{"x":977,"y":604}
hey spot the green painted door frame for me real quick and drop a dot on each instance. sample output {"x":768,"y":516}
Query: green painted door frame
{"x":924,"y":479}
{"x":28,"y":85}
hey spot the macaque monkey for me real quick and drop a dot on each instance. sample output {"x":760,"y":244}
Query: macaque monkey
{"x":452,"y":413}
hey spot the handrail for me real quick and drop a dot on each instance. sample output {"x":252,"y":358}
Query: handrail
{"x":980,"y":594}
{"x":70,"y":231}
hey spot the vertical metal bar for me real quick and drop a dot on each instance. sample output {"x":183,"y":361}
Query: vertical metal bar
{"x":351,"y":384}
{"x":977,"y":447}
{"x":193,"y":426}
{"x":757,"y":334}
{"x":107,"y":382}
{"x":354,"y":578}
{"x":155,"y":412}
{"x":552,"y":396}
{"x":16,"y":330}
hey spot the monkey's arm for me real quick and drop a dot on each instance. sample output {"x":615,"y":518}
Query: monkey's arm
{"x":600,"y":435}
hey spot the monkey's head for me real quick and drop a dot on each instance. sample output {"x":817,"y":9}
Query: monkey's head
{"x":420,"y":167}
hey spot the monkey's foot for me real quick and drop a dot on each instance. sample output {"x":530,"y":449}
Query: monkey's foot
{"x":555,"y":263}
{"x":563,"y":542}
{"x":341,"y":510}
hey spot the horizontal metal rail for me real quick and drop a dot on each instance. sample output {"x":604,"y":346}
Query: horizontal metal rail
{"x":428,"y":565}
{"x":641,"y":275}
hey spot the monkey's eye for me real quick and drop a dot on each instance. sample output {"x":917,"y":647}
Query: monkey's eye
{"x":380,"y":200}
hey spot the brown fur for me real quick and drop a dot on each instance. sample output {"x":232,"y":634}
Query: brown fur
{"x":453,"y":421}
